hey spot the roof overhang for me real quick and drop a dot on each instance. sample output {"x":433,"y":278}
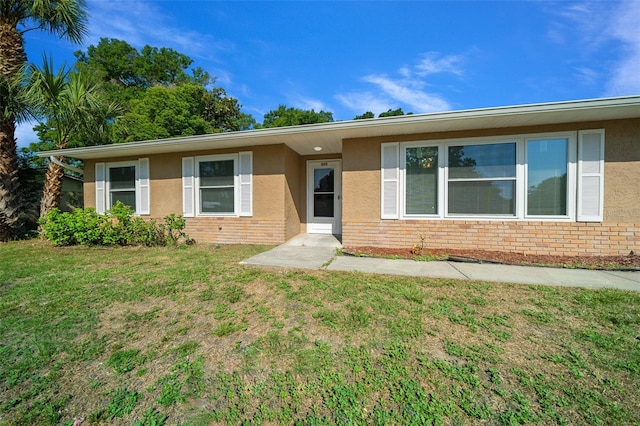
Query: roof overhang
{"x":329,"y":136}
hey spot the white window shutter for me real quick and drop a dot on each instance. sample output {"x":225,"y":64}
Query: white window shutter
{"x":590,"y":175}
{"x":245,"y":170}
{"x":188,"y":179}
{"x":390,"y":172}
{"x":143,"y":196}
{"x":100,"y":188}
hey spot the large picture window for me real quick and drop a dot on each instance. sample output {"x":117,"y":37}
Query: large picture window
{"x":521,"y":177}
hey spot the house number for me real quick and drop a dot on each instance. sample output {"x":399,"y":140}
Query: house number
{"x":324,"y":164}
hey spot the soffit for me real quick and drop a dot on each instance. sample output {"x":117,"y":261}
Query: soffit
{"x":329,"y":136}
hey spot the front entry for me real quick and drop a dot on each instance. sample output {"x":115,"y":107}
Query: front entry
{"x":324,"y":194}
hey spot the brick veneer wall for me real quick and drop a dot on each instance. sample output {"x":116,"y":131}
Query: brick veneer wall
{"x":236,"y":230}
{"x":561,"y":238}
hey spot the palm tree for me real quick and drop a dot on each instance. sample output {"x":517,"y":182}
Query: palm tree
{"x":71,"y":105}
{"x":65,"y":18}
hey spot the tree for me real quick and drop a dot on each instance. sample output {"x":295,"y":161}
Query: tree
{"x":364,"y":116}
{"x":186,"y":110}
{"x":127,"y":72}
{"x":66,"y":19}
{"x":69,"y":106}
{"x":284,"y":116}
{"x":393,"y":112}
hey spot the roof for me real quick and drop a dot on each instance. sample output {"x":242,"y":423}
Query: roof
{"x":329,"y":136}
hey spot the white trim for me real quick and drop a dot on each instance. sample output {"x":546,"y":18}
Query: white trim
{"x":323,"y":225}
{"x":236,"y":189}
{"x":303,"y":138}
{"x":143,"y":190}
{"x":100,"y":188}
{"x":389,"y":180}
{"x":591,"y":175}
{"x":520,"y":177}
{"x":245,"y":183}
{"x":188,"y":187}
{"x":107,"y":192}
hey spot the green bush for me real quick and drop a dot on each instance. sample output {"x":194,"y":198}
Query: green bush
{"x":117,"y":226}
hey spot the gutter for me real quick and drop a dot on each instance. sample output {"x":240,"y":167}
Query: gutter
{"x":54,"y":160}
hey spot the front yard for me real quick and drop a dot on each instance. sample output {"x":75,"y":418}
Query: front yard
{"x":151,"y":336}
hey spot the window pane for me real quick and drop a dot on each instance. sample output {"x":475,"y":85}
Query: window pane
{"x":482,"y":161}
{"x":217,"y":200}
{"x":547,"y":177}
{"x":482,"y":197}
{"x":128,"y":198}
{"x":323,"y":180}
{"x":122,"y":177}
{"x":216,"y":173}
{"x":323,"y":205}
{"x":422,"y":180}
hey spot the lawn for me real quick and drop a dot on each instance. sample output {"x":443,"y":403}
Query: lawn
{"x":152,"y":336}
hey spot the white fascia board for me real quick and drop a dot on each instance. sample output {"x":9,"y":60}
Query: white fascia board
{"x":302,"y":138}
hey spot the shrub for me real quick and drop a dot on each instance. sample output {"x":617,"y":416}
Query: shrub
{"x":117,"y":226}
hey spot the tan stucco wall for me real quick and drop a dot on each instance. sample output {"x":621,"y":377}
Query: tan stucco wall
{"x":293,"y":193}
{"x":361,"y":165}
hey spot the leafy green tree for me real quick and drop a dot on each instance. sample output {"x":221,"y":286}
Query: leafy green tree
{"x":70,"y":106}
{"x":186,"y":110}
{"x":392,"y":113}
{"x":66,"y":19}
{"x":364,"y":116}
{"x":127,"y":72}
{"x":284,"y":116}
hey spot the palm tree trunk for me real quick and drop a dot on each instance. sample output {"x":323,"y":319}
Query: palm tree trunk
{"x":10,"y":196}
{"x":52,"y":188}
{"x":12,"y":57}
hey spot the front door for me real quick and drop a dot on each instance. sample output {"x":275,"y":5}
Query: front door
{"x":324,"y":193}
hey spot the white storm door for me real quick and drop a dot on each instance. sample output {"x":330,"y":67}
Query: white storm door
{"x":324,"y":197}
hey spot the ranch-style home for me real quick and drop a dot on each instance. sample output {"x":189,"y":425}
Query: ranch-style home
{"x":555,"y":178}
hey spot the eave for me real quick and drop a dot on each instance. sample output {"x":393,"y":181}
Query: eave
{"x":329,"y":136}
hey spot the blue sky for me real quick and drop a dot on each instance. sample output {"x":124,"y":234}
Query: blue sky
{"x":349,"y":57}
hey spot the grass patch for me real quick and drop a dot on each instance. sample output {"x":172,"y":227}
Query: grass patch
{"x":155,"y":336}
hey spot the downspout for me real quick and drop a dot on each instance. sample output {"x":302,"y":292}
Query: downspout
{"x":66,"y":166}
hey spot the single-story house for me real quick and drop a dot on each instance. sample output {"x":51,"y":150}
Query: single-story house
{"x":548,"y":178}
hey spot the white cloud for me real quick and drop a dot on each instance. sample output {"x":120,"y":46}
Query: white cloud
{"x":432,"y":63}
{"x":624,"y":27}
{"x":597,"y":25}
{"x":140,"y":23}
{"x":407,"y":89}
{"x":408,"y":92}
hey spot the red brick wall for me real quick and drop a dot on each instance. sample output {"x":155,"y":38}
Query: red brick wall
{"x":531,"y":237}
{"x":236,"y":230}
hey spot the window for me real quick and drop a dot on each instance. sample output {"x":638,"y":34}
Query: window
{"x":547,"y":177}
{"x":126,"y":181}
{"x":482,"y":179}
{"x":554,"y":176}
{"x":122,"y":186}
{"x":217,"y":185}
{"x":421,"y":180}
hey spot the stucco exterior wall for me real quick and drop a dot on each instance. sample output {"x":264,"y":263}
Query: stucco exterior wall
{"x":273,"y":203}
{"x":617,"y":235}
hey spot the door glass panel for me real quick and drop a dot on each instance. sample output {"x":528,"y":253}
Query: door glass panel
{"x":323,"y":205}
{"x":323,"y":197}
{"x":323,"y":180}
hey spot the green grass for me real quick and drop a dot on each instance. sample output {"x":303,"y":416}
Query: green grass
{"x":154,"y":336}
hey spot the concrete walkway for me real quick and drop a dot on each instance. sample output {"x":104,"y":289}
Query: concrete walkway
{"x":315,"y":251}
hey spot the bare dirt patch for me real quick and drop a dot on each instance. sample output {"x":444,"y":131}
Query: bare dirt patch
{"x":628,"y":262}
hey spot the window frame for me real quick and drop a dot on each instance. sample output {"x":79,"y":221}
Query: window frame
{"x":142,"y":185}
{"x":236,"y":184}
{"x":521,"y":176}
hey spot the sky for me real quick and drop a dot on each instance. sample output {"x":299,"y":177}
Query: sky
{"x":349,"y":57}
